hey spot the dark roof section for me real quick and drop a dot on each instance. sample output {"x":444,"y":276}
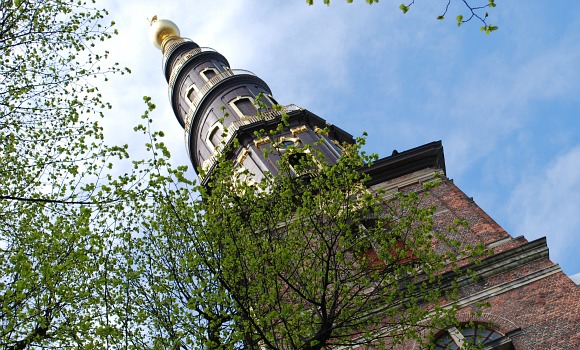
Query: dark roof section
{"x":426,"y":156}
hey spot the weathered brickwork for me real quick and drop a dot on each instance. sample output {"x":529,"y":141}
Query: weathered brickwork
{"x":529,"y":298}
{"x":547,"y":311}
{"x":481,"y":228}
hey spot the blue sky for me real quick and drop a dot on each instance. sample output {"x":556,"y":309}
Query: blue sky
{"x":505,"y":105}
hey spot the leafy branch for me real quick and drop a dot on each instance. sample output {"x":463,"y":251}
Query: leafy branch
{"x":475,"y":11}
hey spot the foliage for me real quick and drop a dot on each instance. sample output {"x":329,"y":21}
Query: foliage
{"x":290,"y":262}
{"x":473,"y":7}
{"x":57,"y":196}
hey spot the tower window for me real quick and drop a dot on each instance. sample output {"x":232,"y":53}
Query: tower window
{"x":244,"y":106}
{"x":297,"y":159}
{"x":191,"y":91}
{"x":286,"y":142}
{"x":303,"y":164}
{"x":214,"y":136}
{"x":454,"y":338}
{"x":271,"y":98}
{"x":208,"y":73}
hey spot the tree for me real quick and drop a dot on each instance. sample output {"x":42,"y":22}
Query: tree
{"x":289,"y":262}
{"x":58,"y":197}
{"x":475,"y":10}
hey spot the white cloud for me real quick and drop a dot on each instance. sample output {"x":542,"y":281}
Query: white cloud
{"x":546,"y":204}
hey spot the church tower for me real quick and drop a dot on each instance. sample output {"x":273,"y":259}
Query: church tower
{"x":532,"y":303}
{"x":216,"y":104}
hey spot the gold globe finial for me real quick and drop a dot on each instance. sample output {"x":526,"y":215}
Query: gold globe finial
{"x":161,"y":29}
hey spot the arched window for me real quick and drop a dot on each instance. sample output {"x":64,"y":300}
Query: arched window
{"x":302,"y":163}
{"x":456,"y":338}
{"x":244,"y":106}
{"x":208,"y":73}
{"x":214,"y":135}
{"x":287,"y":142}
{"x":190,"y":92}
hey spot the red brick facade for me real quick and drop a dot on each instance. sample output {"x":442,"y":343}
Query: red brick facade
{"x":531,"y":301}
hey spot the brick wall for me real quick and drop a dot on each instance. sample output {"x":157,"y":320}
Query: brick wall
{"x":529,"y":297}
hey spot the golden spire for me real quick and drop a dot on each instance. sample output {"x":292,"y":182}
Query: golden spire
{"x":160,"y":30}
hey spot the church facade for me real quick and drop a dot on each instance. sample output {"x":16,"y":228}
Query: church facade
{"x":532,"y":304}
